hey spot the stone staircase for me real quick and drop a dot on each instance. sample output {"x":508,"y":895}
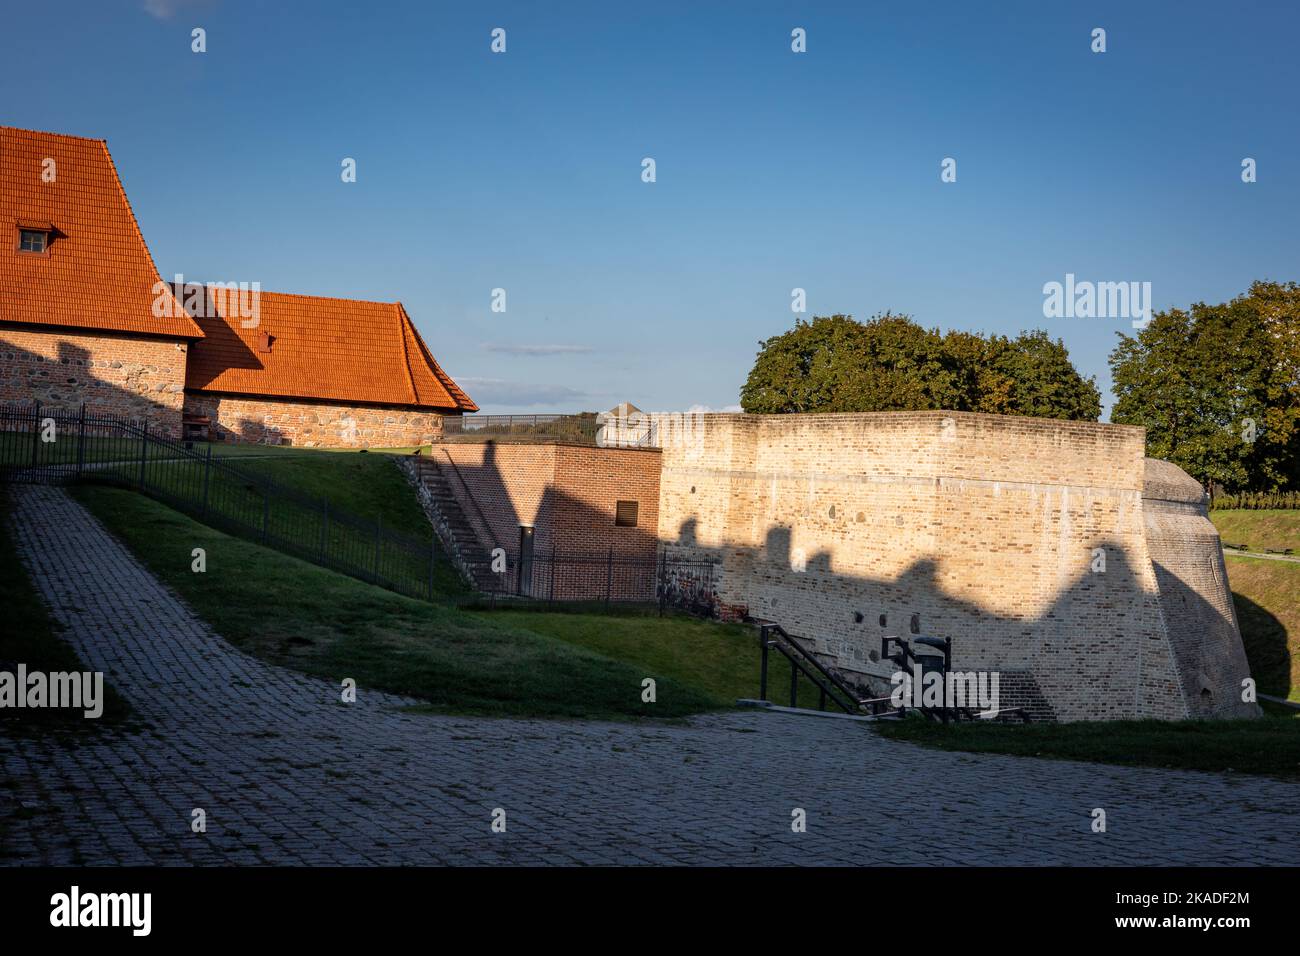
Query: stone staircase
{"x":432,"y":480}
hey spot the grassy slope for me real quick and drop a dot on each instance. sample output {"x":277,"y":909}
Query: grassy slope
{"x":30,"y":636}
{"x":1267,"y":598}
{"x":1259,"y":530}
{"x":1269,"y":746}
{"x":367,"y":484}
{"x":301,"y":616}
{"x":1266,"y":594}
{"x":722,"y":660}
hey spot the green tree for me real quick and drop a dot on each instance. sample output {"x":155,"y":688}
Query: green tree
{"x":835,"y":364}
{"x":1217,"y":388}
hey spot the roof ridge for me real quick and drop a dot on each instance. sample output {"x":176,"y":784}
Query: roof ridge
{"x":328,"y":298}
{"x":46,"y":132}
{"x":457,"y":394}
{"x":402,"y":320}
{"x":135,"y":228}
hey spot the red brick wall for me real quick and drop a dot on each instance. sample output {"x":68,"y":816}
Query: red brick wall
{"x":131,"y":376}
{"x":568,"y":494}
{"x":313,"y":425}
{"x":509,"y":484}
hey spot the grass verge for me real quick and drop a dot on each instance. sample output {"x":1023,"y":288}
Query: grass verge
{"x":1269,"y":746}
{"x":721,"y":660}
{"x":1266,"y":595}
{"x":1277,"y":530}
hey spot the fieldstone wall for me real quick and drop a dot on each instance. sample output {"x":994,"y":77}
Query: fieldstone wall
{"x":135,"y":377}
{"x":313,"y":425}
{"x":1031,"y":542}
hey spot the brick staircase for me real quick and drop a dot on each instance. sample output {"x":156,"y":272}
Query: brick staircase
{"x":453,"y":527}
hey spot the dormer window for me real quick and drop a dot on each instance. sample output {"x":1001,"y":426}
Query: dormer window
{"x":34,"y":236}
{"x":32,"y":240}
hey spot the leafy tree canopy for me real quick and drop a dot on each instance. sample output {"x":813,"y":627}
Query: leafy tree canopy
{"x":836,"y":364}
{"x":1218,"y":388}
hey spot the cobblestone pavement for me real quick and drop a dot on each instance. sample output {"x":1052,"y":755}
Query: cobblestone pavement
{"x":288,"y":774}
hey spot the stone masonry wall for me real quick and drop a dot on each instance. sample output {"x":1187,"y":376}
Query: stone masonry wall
{"x":1025,"y":540}
{"x":131,"y":376}
{"x":313,"y":424}
{"x":1195,"y":602}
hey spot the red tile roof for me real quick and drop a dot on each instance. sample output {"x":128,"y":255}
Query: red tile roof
{"x":336,"y":350}
{"x":97,"y":272}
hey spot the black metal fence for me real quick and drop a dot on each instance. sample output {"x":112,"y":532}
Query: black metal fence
{"x":57,"y":445}
{"x":580,"y":429}
{"x":604,"y":577}
{"x":47,"y":446}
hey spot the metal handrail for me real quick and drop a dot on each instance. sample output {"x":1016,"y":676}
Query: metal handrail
{"x":790,"y":646}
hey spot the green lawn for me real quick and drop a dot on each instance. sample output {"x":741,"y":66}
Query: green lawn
{"x":721,"y":660}
{"x":298,"y":615}
{"x":1266,"y":595}
{"x":18,"y":448}
{"x":331,"y":511}
{"x":1269,"y":746}
{"x":1259,"y":530}
{"x":367,"y":484}
{"x":30,"y":636}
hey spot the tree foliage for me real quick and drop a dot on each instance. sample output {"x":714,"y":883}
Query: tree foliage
{"x":836,"y":364}
{"x":1218,"y":388}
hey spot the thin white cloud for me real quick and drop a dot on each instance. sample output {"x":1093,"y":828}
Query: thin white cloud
{"x":537,"y":349}
{"x":496,"y":391}
{"x":166,"y":9}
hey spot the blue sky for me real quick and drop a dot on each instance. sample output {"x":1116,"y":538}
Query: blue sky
{"x":775,"y":170}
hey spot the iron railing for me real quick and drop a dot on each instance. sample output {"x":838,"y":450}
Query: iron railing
{"x":831,"y":689}
{"x":603,"y":577}
{"x":51,"y":445}
{"x":579,"y":429}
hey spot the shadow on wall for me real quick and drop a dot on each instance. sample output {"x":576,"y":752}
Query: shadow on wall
{"x":65,"y":382}
{"x":253,"y":432}
{"x":1079,"y":656}
{"x":575,"y":550}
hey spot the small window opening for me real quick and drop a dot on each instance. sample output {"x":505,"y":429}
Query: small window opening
{"x":32,"y":240}
{"x":625,"y":514}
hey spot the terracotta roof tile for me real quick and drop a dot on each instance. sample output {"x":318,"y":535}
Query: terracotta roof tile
{"x":97,"y":272}
{"x":339,"y":350}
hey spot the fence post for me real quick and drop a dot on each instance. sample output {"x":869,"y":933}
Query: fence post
{"x":662,"y":584}
{"x":36,"y":433}
{"x":207,"y":474}
{"x":81,"y":439}
{"x":552,"y":573}
{"x":324,"y":528}
{"x":762,"y":672}
{"x":266,"y":513}
{"x":609,"y":576}
{"x":433,"y":559}
{"x":794,"y":684}
{"x":379,"y":538}
{"x":144,"y":451}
